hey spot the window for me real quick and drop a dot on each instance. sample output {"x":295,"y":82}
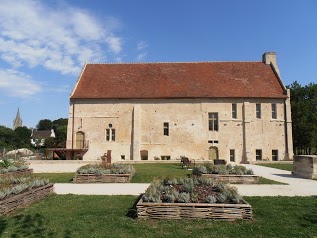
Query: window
{"x":165,"y":157}
{"x":213,"y":121}
{"x":234,"y":111}
{"x":122,"y":157}
{"x":274,"y":155}
{"x":213,"y":141}
{"x":258,"y":110}
{"x":274,"y":114}
{"x":258,"y":154}
{"x":110,"y":134}
{"x":113,"y":134}
{"x":166,"y":128}
{"x":232,"y":156}
{"x":107,"y":134}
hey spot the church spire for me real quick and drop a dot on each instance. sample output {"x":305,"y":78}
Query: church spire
{"x":17,"y":122}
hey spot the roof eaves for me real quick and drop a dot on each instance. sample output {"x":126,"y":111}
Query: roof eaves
{"x":75,"y":87}
{"x":279,"y":78}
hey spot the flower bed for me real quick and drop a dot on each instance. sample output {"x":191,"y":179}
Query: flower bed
{"x":227,"y":174}
{"x":17,"y":173}
{"x":12,"y":167}
{"x":23,"y":191}
{"x":102,"y":173}
{"x":192,"y":198}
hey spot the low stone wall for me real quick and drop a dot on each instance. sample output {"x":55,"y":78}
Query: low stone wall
{"x":102,"y":178}
{"x":229,"y":212}
{"x":24,"y":199}
{"x":234,"y":179}
{"x":58,"y":166}
{"x":305,"y":166}
{"x":17,"y":173}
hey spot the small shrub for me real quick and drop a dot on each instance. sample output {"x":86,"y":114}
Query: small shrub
{"x":194,"y":197}
{"x":183,"y":198}
{"x":12,"y":168}
{"x":199,"y":170}
{"x":211,"y":199}
{"x":220,"y":198}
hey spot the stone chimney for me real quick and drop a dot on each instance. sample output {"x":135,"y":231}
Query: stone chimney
{"x":270,"y":57}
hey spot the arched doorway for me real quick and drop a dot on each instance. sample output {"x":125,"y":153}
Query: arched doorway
{"x":213,"y":153}
{"x":80,"y":140}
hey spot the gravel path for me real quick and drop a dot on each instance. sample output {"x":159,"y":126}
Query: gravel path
{"x":295,"y":187}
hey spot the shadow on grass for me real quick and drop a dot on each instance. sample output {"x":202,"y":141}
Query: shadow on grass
{"x":31,"y":226}
{"x":132,"y":212}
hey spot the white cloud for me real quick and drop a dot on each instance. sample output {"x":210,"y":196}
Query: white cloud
{"x":18,"y":84}
{"x":142,"y":45}
{"x":141,"y":56}
{"x":33,"y":34}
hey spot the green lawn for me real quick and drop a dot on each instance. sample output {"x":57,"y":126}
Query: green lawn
{"x":145,"y":173}
{"x":263,"y":180}
{"x":288,"y":167}
{"x":57,"y":177}
{"x":106,"y":216}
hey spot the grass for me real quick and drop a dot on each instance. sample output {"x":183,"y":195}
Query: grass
{"x":263,"y":180}
{"x":145,"y":173}
{"x":57,"y":177}
{"x":288,"y":167}
{"x":106,"y":216}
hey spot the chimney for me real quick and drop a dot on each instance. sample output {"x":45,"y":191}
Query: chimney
{"x":270,"y":58}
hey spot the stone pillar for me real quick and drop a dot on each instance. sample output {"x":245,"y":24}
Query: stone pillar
{"x":136,"y":127}
{"x":247,"y":154}
{"x":289,"y":153}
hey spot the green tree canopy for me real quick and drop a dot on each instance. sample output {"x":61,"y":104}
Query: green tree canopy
{"x":304,"y":117}
{"x":45,"y":124}
{"x":24,"y":137}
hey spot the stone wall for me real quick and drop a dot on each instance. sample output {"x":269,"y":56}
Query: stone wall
{"x":305,"y":166}
{"x":138,"y":127}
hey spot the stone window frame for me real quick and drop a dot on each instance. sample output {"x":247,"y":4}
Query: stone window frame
{"x":274,"y":110}
{"x":274,"y":155}
{"x":258,"y":154}
{"x":232,"y":155}
{"x":110,"y":134}
{"x":213,"y":121}
{"x":234,"y":113}
{"x":258,"y":111}
{"x":166,"y":129}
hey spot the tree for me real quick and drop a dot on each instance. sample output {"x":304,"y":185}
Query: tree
{"x":8,"y":138}
{"x":45,"y":124}
{"x":60,"y":128}
{"x":24,"y":137}
{"x":304,"y":117}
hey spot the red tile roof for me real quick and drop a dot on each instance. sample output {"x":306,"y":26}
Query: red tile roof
{"x":178,"y":80}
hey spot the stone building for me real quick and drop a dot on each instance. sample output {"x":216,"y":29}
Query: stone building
{"x":17,"y":122}
{"x":237,"y":111}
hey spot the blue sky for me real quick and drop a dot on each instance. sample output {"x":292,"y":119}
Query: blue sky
{"x":44,"y":44}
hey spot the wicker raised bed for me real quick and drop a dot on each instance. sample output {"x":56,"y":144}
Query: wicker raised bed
{"x":229,"y":212}
{"x":102,"y":178}
{"x":234,"y":179}
{"x":17,"y":173}
{"x":24,"y":199}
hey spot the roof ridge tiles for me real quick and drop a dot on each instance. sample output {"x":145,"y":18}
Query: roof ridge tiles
{"x":177,"y":62}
